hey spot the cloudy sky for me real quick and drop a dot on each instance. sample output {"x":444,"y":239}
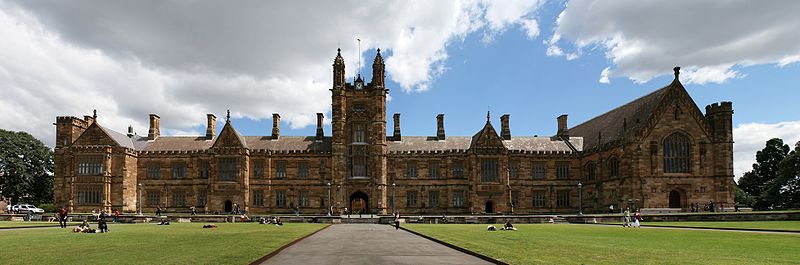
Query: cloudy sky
{"x":532,"y":59}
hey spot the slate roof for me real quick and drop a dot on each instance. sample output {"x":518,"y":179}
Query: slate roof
{"x":286,"y":143}
{"x":634,"y":114}
{"x":518,"y":143}
{"x":175,"y":143}
{"x":121,"y":139}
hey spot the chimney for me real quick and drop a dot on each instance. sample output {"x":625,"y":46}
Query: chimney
{"x":440,"y":127}
{"x":396,"y":136}
{"x":212,"y":126}
{"x":563,"y":131}
{"x":154,"y":132}
{"x":276,"y":126}
{"x":505,"y":132}
{"x":130,"y":131}
{"x":320,"y":132}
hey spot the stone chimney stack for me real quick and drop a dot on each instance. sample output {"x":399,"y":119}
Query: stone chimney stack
{"x":130,"y":131}
{"x":276,"y":126}
{"x":505,"y":132}
{"x":440,"y":127}
{"x":563,"y":131}
{"x":155,"y":125}
{"x":320,"y":132}
{"x":212,"y":126}
{"x":396,"y":136}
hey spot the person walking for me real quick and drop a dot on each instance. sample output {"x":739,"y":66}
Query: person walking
{"x":194,"y":211}
{"x":116,"y":216}
{"x":62,"y":217}
{"x":396,"y":221}
{"x":626,"y":218}
{"x":636,"y":218}
{"x":158,"y":211}
{"x":102,"y":225}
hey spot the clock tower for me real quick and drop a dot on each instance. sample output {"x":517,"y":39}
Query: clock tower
{"x":359,"y":139}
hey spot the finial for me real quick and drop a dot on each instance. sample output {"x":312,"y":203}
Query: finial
{"x":338,"y":50}
{"x":487,"y":115}
{"x":379,"y":51}
{"x":677,"y":70}
{"x":94,"y":115}
{"x":228,"y":116}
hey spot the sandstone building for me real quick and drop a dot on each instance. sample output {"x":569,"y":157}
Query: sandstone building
{"x":658,"y":151}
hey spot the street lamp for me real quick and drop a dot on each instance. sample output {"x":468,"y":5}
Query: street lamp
{"x":329,"y":199}
{"x":394,"y":189}
{"x":580,"y":198}
{"x":140,"y":199}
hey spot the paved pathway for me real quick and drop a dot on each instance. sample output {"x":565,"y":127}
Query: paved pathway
{"x":369,"y":244}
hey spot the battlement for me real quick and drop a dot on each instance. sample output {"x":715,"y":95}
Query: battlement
{"x":71,"y":120}
{"x":719,"y":107}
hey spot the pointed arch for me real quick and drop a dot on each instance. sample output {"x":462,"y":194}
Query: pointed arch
{"x":677,"y":153}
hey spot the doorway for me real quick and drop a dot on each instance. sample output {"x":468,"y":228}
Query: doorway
{"x":675,"y":199}
{"x":228,"y":206}
{"x":359,"y":202}
{"x":489,"y":207}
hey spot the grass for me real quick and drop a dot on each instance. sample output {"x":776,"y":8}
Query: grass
{"x":769,"y":225}
{"x":179,"y":243}
{"x":593,"y":244}
{"x":4,"y":224}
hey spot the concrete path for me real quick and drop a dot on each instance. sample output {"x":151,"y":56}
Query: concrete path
{"x":369,"y":244}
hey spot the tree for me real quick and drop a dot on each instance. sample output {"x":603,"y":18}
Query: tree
{"x":26,"y":168}
{"x":761,"y":181}
{"x":787,"y":184}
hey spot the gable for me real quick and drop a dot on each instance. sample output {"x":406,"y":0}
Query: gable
{"x":95,"y":135}
{"x":487,"y":139}
{"x":229,"y":137}
{"x":678,"y":111}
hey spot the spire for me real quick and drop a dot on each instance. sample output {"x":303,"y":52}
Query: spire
{"x":378,"y":71}
{"x":338,"y":69}
{"x":487,"y":116}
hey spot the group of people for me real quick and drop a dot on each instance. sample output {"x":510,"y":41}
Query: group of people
{"x":626,"y":218}
{"x":507,"y":227}
{"x":272,"y":220}
{"x":709,"y":207}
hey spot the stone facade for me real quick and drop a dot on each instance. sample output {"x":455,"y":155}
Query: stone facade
{"x":658,"y":151}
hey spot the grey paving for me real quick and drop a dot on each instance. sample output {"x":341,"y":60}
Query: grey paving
{"x":369,"y":244}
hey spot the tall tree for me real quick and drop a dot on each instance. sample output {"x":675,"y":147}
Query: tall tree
{"x":26,"y":168}
{"x":787,"y":184}
{"x":760,"y":181}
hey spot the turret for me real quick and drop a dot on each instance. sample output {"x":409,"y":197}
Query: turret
{"x":68,"y":128}
{"x":378,"y":71}
{"x":338,"y":70}
{"x":720,"y":116}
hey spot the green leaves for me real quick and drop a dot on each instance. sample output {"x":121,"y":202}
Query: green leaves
{"x":26,"y":168}
{"x":774,"y":181}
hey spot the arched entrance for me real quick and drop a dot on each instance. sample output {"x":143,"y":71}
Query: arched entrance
{"x":228,"y":206}
{"x":489,"y":207}
{"x":675,"y":199}
{"x":359,"y":202}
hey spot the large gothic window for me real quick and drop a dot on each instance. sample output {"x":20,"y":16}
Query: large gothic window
{"x":591,"y":173}
{"x":613,"y":167}
{"x":676,"y":153}
{"x":359,"y":161}
{"x":359,"y":133}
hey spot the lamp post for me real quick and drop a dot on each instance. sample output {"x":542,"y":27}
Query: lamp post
{"x":394,"y":189}
{"x":580,"y":198}
{"x":140,"y":199}
{"x":329,"y":199}
{"x":508,"y":184}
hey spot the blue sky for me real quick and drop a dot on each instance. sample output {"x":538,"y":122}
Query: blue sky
{"x":532,"y":59}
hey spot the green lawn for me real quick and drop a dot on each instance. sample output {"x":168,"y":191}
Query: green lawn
{"x":28,"y":224}
{"x":594,"y":244}
{"x":179,"y":243}
{"x":774,"y":225}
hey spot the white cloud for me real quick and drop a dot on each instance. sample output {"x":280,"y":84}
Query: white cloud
{"x":531,"y":28}
{"x":644,"y":39}
{"x":604,"y":75}
{"x":752,"y":137}
{"x":183,"y":60}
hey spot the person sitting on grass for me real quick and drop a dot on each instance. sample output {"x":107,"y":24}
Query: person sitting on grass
{"x":278,"y":221}
{"x":83,"y":228}
{"x":164,"y":222}
{"x":491,"y":228}
{"x":508,"y":226}
{"x":262,"y":220}
{"x":210,"y":226}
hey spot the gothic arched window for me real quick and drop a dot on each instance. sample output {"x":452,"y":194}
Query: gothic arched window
{"x":613,"y":167}
{"x":591,"y":171}
{"x":676,"y":154}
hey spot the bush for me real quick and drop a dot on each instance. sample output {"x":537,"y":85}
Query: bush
{"x":48,"y":208}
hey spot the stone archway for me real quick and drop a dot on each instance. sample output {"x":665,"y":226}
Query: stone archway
{"x":489,"y":209}
{"x":676,"y":199}
{"x":359,"y":202}
{"x":228,"y":206}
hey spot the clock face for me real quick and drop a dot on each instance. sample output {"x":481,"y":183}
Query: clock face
{"x":359,"y":85}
